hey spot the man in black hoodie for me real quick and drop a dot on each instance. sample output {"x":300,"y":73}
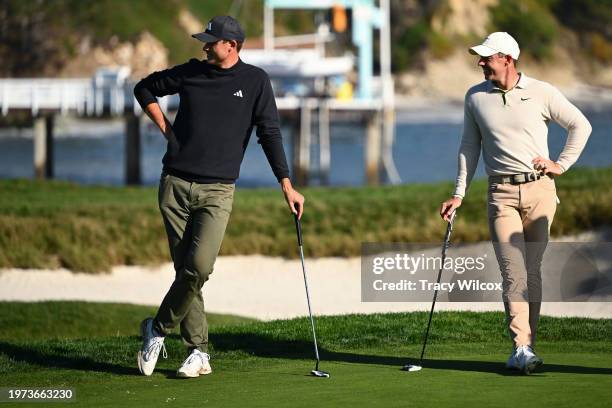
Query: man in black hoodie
{"x":221,"y":100}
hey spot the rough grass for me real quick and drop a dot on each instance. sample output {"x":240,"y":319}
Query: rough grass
{"x":58,"y":224}
{"x":266,"y":363}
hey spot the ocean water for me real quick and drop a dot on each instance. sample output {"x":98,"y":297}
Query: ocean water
{"x":425,"y":150}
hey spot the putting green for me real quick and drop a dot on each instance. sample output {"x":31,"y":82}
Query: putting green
{"x":268,"y":364}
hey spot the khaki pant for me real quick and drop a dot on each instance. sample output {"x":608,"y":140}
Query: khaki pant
{"x":520,"y":217}
{"x":195,"y":216}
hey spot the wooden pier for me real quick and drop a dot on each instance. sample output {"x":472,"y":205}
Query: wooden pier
{"x":308,"y":118}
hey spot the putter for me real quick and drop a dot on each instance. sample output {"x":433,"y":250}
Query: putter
{"x":316,"y":372}
{"x":449,"y":230}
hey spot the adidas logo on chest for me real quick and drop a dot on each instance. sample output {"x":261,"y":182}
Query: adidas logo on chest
{"x":238,"y":93}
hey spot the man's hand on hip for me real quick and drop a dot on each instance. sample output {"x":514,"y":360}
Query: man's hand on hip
{"x":293,"y":197}
{"x":449,"y":206}
{"x":547,"y":166}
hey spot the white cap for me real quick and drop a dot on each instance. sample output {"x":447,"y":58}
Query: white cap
{"x":497,"y":42}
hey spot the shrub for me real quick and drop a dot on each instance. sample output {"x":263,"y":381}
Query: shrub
{"x":531,"y":24}
{"x":600,"y":48}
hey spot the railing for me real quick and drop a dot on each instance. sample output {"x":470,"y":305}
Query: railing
{"x":83,"y":97}
{"x":78,"y":95}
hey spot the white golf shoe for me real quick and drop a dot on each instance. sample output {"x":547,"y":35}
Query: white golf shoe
{"x":195,"y":365}
{"x":152,"y":344}
{"x":524,"y":359}
{"x":513,"y":362}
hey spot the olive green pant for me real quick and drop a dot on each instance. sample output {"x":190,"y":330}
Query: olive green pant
{"x":195,"y":216}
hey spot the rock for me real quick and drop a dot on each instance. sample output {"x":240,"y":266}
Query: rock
{"x":145,"y":55}
{"x":189,"y":22}
{"x":460,"y":17}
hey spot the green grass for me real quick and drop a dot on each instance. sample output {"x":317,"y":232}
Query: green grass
{"x":68,"y":320}
{"x":58,"y":224}
{"x":267,"y":363}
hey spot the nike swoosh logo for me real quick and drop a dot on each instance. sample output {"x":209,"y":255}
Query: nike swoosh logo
{"x":525,"y":99}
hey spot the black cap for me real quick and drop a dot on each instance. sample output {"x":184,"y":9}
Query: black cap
{"x":221,"y":28}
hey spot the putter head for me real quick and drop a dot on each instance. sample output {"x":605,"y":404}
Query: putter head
{"x":411,"y":367}
{"x":319,"y":373}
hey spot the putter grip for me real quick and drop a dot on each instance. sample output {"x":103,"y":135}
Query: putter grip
{"x":298,"y":229}
{"x":449,"y":228}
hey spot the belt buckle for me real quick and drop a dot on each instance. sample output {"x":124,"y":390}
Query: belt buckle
{"x":536,"y":176}
{"x":518,"y":179}
{"x":529,"y":177}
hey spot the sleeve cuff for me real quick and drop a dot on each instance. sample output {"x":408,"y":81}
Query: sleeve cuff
{"x":563,"y":168}
{"x":282,"y":176}
{"x":143,"y":95}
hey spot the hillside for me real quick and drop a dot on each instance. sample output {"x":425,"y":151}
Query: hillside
{"x":566,"y":41}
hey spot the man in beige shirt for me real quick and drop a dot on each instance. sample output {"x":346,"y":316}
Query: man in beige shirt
{"x":506,"y":117}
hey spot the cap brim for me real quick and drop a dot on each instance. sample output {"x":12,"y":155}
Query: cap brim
{"x":482,"y":50}
{"x":205,"y":37}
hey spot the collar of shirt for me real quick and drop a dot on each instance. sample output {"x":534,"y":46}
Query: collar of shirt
{"x":522,"y":83}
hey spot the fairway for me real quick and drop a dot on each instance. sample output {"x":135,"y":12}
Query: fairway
{"x":92,"y":347}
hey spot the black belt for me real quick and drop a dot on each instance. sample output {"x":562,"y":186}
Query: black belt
{"x":520,"y":178}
